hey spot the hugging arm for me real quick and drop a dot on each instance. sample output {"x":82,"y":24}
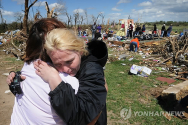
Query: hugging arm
{"x":87,"y":104}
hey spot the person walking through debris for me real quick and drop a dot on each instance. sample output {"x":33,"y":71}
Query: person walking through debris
{"x":155,"y":29}
{"x":169,"y":30}
{"x":93,"y":29}
{"x":130,"y":30}
{"x":163,"y":30}
{"x":86,"y":105}
{"x":143,"y":29}
{"x":134,"y":44}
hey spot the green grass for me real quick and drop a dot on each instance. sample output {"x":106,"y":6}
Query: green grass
{"x":129,"y":91}
{"x":174,"y":28}
{"x":132,"y":91}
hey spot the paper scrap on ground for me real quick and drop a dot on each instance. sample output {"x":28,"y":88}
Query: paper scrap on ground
{"x":7,"y":91}
{"x":140,"y":70}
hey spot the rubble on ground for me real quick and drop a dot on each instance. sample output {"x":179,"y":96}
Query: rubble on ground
{"x":8,"y":40}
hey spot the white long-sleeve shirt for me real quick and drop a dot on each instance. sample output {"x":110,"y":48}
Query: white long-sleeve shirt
{"x":33,"y":106}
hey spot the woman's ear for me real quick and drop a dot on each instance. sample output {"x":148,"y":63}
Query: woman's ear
{"x":81,"y":53}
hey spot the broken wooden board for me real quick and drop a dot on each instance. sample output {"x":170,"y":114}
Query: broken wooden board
{"x":174,"y":93}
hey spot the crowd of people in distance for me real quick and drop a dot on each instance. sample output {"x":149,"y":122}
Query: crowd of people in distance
{"x":98,"y":31}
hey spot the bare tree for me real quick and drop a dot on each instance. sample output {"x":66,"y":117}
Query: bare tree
{"x":76,"y":17}
{"x":37,"y":16}
{"x":102,"y":15}
{"x":95,"y":18}
{"x":69,"y":19}
{"x":81,"y":19}
{"x":19,"y":17}
{"x":2,"y":21}
{"x":60,"y":8}
{"x":25,"y":27}
{"x":49,"y":13}
{"x":1,"y":4}
{"x":85,"y":12}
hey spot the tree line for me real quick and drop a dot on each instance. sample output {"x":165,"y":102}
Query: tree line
{"x":23,"y":23}
{"x":174,"y":23}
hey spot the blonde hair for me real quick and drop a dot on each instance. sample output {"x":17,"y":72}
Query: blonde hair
{"x":64,"y":39}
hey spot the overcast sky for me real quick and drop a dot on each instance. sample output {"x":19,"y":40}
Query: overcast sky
{"x":146,"y":11}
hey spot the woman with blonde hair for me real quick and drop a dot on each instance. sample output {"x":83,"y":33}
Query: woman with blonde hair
{"x":69,"y":55}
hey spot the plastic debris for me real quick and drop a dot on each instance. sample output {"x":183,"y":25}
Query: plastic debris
{"x":140,"y":70}
{"x":130,"y":59}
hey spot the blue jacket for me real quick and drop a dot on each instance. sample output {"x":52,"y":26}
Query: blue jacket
{"x":169,"y":29}
{"x":181,"y":34}
{"x":143,"y":28}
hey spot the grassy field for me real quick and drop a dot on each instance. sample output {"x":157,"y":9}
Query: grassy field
{"x":134,"y":93}
{"x":174,"y":28}
{"x":129,"y":92}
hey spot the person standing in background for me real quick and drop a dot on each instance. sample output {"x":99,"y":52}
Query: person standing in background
{"x":138,"y":28}
{"x":130,"y":30}
{"x":143,"y":29}
{"x":97,"y":34}
{"x":93,"y":29}
{"x":169,"y":30}
{"x":155,"y":29}
{"x":163,"y":30}
{"x":99,"y":28}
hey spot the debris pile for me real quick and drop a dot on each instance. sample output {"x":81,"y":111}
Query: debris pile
{"x":8,"y":41}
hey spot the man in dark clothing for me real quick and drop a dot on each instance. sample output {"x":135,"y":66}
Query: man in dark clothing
{"x":97,"y":34}
{"x":143,"y":28}
{"x":93,"y":29}
{"x":138,"y":28}
{"x":130,"y":30}
{"x":155,"y":29}
{"x":163,"y":30}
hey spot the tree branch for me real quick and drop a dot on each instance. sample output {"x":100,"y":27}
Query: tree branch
{"x":47,"y":8}
{"x":32,"y":4}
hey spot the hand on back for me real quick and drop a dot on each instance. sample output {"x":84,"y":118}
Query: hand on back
{"x":45,"y":71}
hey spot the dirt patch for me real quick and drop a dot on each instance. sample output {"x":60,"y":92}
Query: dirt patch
{"x":156,"y":92}
{"x":6,"y":100}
